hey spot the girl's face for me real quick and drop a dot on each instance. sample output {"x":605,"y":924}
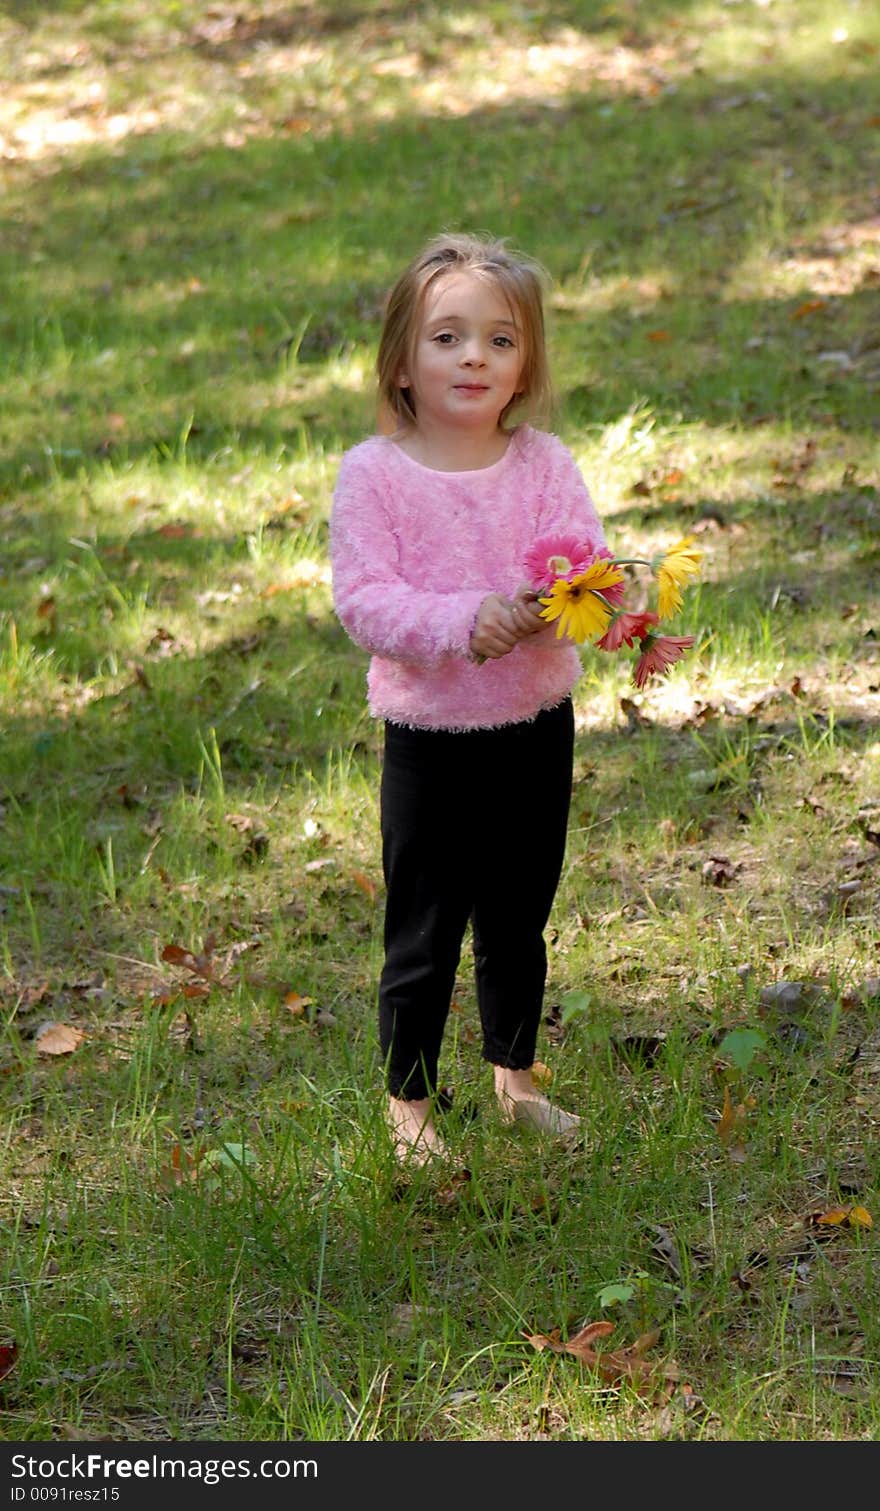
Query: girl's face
{"x":467,"y":357}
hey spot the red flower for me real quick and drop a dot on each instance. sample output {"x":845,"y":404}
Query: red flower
{"x":660,"y":651}
{"x":626,"y":628}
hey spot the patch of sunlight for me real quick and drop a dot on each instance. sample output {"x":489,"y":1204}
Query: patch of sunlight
{"x":805,"y":38}
{"x":664,"y":700}
{"x":373,"y":72}
{"x":326,"y":84}
{"x":305,"y":573}
{"x":639,"y":295}
{"x":836,"y":260}
{"x":304,"y":383}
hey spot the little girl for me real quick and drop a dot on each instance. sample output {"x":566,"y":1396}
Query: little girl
{"x":430,"y":529}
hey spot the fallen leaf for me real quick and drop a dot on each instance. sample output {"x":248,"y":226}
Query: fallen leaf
{"x":658,"y":335}
{"x":182,"y":1167}
{"x":57,"y":1039}
{"x":8,"y":1356}
{"x":836,"y":1217}
{"x":731,"y":1126}
{"x":199,"y":965}
{"x":832,"y":1218}
{"x":296,"y":1004}
{"x":808,"y":307}
{"x":365,"y":884}
{"x":542,"y":1075}
{"x":612,"y":1365}
{"x":580,"y":1343}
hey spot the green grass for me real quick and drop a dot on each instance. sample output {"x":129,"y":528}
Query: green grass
{"x":203,"y":1235}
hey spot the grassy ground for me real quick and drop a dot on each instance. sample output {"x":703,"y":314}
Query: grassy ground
{"x":202,"y":1233}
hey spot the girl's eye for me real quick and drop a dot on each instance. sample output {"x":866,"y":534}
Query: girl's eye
{"x":503,"y":341}
{"x":444,"y":337}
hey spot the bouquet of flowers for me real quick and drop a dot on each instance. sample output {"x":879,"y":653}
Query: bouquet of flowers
{"x":583,"y":591}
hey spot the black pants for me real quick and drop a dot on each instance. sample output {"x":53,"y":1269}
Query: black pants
{"x":473,"y":827}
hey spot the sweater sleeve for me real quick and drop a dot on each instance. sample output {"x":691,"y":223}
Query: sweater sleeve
{"x":567,"y":508}
{"x":381,"y":611}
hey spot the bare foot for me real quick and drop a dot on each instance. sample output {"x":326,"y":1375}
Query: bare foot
{"x":521,"y":1102}
{"x":414,"y":1138}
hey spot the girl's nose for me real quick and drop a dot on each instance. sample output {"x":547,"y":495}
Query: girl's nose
{"x":472,"y":354}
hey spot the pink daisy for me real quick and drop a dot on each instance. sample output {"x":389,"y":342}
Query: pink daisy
{"x":555,"y":556}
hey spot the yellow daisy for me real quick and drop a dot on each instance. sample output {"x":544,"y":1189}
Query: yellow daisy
{"x":578,"y":606}
{"x":680,"y":562}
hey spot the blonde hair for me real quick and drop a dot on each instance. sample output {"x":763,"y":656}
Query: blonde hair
{"x":518,"y":278}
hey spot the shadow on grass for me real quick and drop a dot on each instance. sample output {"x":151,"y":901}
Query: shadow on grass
{"x":220,"y":292}
{"x":283,"y":707}
{"x":224,"y":32}
{"x":222,"y":285}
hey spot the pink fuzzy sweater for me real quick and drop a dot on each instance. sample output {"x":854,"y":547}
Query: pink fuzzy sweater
{"x":415,"y":552}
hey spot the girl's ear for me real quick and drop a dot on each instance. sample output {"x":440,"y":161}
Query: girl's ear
{"x":402,"y":380}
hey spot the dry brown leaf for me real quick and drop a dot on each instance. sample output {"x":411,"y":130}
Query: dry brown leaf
{"x":199,"y":965}
{"x":365,"y":884}
{"x":808,"y":307}
{"x":836,"y":1217}
{"x":182,"y":1167}
{"x":58,"y":1039}
{"x":731,"y":1125}
{"x":542,"y":1075}
{"x":578,"y":1344}
{"x":832,"y":1218}
{"x":612,"y":1365}
{"x":296,"y":1004}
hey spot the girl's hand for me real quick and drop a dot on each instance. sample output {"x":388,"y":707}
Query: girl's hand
{"x":495,"y":632}
{"x":527,"y":612}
